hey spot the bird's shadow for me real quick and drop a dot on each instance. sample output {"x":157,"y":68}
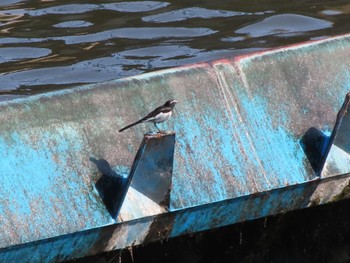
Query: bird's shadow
{"x":109,"y":186}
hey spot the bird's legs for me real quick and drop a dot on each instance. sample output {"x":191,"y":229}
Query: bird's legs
{"x":155,"y":124}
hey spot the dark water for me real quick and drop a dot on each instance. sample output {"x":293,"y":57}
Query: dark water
{"x":48,"y":45}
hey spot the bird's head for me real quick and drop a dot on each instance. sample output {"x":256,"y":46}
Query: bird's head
{"x":171,"y":103}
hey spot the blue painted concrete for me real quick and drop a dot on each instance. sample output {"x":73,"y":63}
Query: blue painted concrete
{"x":36,"y":196}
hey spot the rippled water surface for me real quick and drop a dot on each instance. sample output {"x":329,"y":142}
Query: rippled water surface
{"x":48,"y":45}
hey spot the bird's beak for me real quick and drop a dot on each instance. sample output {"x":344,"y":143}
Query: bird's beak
{"x":176,"y":101}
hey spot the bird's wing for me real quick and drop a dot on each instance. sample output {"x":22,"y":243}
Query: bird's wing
{"x":158,"y":110}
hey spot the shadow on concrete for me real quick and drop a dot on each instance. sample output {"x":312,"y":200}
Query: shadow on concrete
{"x":109,"y":186}
{"x":314,"y":144}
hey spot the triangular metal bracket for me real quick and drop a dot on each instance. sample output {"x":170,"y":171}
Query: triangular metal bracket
{"x":148,"y":186}
{"x":145,"y":191}
{"x":337,"y":155}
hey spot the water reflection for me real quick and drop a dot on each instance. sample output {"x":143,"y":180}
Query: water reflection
{"x":129,"y":33}
{"x":138,"y":6}
{"x":9,"y":2}
{"x":138,"y":33}
{"x":132,"y":7}
{"x":191,"y":12}
{"x":126,"y":63}
{"x":284,"y":25}
{"x":331,"y":12}
{"x":47,"y":45}
{"x":63,"y":9}
{"x":73,"y":24}
{"x":8,"y":54}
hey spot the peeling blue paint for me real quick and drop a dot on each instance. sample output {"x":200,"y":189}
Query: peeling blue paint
{"x":74,"y":244}
{"x":278,"y":148}
{"x":254,"y":153}
{"x":34,"y":176}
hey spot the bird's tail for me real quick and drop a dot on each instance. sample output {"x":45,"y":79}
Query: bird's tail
{"x":130,"y":125}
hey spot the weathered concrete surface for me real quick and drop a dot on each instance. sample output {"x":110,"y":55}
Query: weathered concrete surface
{"x":238,"y":132}
{"x":318,"y":234}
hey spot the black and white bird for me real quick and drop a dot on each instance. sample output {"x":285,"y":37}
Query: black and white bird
{"x":160,"y":114}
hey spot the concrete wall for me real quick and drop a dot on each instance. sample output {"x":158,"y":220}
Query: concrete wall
{"x":238,"y":132}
